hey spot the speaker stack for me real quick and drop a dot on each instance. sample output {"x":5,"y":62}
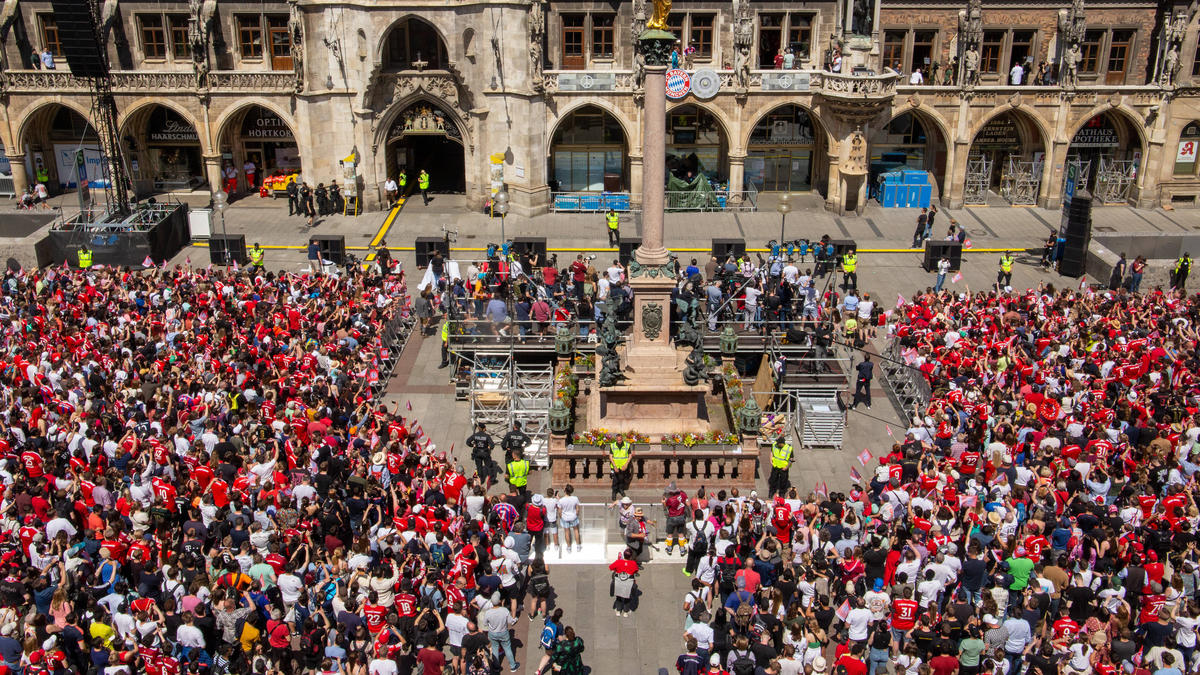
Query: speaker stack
{"x":227,"y":249}
{"x":728,"y":248}
{"x":332,"y":247}
{"x":427,"y":246}
{"x":77,"y":36}
{"x":1078,"y":236}
{"x":626,"y":247}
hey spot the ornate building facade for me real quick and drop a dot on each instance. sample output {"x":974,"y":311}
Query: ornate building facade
{"x":545,"y":97}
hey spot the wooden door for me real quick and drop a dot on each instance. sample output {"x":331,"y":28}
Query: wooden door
{"x":281,"y":45}
{"x":1118,"y":57}
{"x":572,"y":42}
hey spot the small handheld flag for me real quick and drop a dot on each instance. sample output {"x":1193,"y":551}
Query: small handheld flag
{"x":865,"y":456}
{"x":956,"y":278}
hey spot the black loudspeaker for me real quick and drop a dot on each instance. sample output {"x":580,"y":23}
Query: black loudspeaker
{"x":530,"y":246}
{"x":626,"y":247}
{"x":77,"y":35}
{"x":843,"y":246}
{"x":227,"y":249}
{"x":1078,"y":236}
{"x":728,"y":248}
{"x":936,"y":250}
{"x":427,"y":246}
{"x":333,"y":247}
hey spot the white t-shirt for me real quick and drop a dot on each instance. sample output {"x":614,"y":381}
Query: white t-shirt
{"x":551,"y":506}
{"x":614,"y":274}
{"x":1016,"y":74}
{"x":382,"y":667}
{"x":915,"y":78}
{"x":703,"y":634}
{"x":858,"y":622}
{"x":569,"y":508}
{"x":290,"y":586}
{"x":456,"y":624}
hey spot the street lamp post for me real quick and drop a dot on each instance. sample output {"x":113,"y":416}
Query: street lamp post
{"x":502,"y":208}
{"x":220,"y":202}
{"x":784,"y":207}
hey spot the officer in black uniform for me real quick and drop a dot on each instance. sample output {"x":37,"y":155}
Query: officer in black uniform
{"x":514,"y":444}
{"x":481,"y":445}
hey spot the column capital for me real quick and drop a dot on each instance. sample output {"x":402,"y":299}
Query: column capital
{"x":14,"y":156}
{"x":737,"y":159}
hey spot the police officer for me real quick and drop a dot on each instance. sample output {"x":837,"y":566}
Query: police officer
{"x":514,"y":443}
{"x":256,"y":256}
{"x":518,"y":475}
{"x":1004,"y":276}
{"x":402,"y":182}
{"x":85,"y":257}
{"x":481,"y":445}
{"x":293,"y":195}
{"x":620,"y":458}
{"x":1180,"y":273}
{"x":849,"y":270}
{"x":445,"y":332}
{"x":423,"y":184}
{"x":781,"y":460}
{"x":614,"y":224}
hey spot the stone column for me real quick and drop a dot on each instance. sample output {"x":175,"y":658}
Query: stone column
{"x":212,"y":167}
{"x":737,"y":176}
{"x":635,"y":180}
{"x":654,"y":164}
{"x":20,"y":177}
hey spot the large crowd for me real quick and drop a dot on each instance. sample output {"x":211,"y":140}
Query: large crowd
{"x":200,"y":476}
{"x":1038,"y":516}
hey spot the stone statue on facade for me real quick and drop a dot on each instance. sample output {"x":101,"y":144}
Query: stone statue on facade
{"x":637,"y":27}
{"x":971,"y":67}
{"x":200,"y":15}
{"x":1170,"y":66}
{"x":537,"y":35}
{"x":296,"y":32}
{"x":862,"y":18}
{"x":743,"y":39}
{"x":1077,"y":22}
{"x":1071,"y":59}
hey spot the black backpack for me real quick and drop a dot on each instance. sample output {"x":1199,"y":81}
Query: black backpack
{"x":741,"y":664}
{"x":728,"y":573}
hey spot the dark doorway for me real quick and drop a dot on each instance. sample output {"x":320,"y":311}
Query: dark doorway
{"x":439,"y":155}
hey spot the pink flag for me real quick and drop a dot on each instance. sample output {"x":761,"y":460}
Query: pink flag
{"x":967,"y":501}
{"x":408,"y":404}
{"x":956,"y":278}
{"x":1083,"y":283}
{"x":855,"y":476}
{"x":188,"y":260}
{"x":900,"y":301}
{"x":865,"y":456}
{"x":147,"y":262}
{"x":164,"y":263}
{"x":822,"y":489}
{"x":235,"y":266}
{"x":843,"y":610}
{"x":967,"y":244}
{"x":889,"y":430}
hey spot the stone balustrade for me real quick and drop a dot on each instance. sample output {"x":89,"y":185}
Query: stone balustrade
{"x":62,"y":81}
{"x":732,"y":466}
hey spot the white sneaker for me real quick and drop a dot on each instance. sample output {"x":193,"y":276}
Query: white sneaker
{"x":578,"y":548}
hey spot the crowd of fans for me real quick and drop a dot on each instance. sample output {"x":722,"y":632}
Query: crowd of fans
{"x":1039,"y":515}
{"x":200,"y":476}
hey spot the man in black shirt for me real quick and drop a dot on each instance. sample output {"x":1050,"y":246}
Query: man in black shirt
{"x":514,"y":443}
{"x":481,"y":445}
{"x":862,"y":385}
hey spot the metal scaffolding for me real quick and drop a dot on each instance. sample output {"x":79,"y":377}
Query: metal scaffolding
{"x":1114,"y":180}
{"x":1083,"y":173}
{"x":1021,"y":182}
{"x":503,"y":391}
{"x":978,"y":181}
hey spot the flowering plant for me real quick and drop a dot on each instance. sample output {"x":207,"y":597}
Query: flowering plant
{"x":565,"y":386}
{"x":718,"y":437}
{"x":603,"y":437}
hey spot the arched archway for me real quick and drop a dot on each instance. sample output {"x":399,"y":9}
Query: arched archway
{"x":413,"y":44}
{"x":697,"y":144}
{"x":1106,"y":150}
{"x":785,"y":151}
{"x":1007,"y":157}
{"x":424,"y":136}
{"x":256,"y":136}
{"x":163,"y":148}
{"x":51,"y":135}
{"x":910,"y":140}
{"x":588,"y":152}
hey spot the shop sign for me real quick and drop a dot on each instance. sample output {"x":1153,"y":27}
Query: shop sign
{"x":266,"y":125}
{"x":678,"y":83}
{"x":1097,"y":133}
{"x":171,"y":129}
{"x":999,"y":133}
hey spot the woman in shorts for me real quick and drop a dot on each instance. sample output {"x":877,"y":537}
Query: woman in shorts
{"x":568,"y":514}
{"x":550,"y":523}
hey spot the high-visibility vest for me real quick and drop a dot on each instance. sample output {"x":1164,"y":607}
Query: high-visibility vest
{"x":423,"y":181}
{"x":403,"y":179}
{"x":256,"y":256}
{"x":1183,"y":264}
{"x":781,"y":456}
{"x":445,"y":331}
{"x":518,"y":472}
{"x":42,"y":174}
{"x":1006,"y":264}
{"x":849,"y":262}
{"x":235,"y":400}
{"x":613,"y":221}
{"x":85,"y":258}
{"x":620,"y":455}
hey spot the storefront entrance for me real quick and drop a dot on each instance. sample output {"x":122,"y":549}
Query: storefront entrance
{"x":780,"y":154}
{"x":587,"y":153}
{"x":167,"y":157}
{"x":259,"y":136}
{"x":425,"y":137}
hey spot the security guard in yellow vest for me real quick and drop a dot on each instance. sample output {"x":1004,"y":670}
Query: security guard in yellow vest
{"x":850,"y":270}
{"x":423,"y":184}
{"x":1180,"y":274}
{"x":236,"y":400}
{"x":620,"y":459}
{"x":781,"y":459}
{"x":614,"y":223}
{"x":256,"y":255}
{"x":1004,"y":276}
{"x":402,"y":182}
{"x":518,"y":474}
{"x":43,"y":176}
{"x":85,"y":258}
{"x":445,"y":344}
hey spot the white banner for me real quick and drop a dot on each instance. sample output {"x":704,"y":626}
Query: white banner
{"x":64,"y":159}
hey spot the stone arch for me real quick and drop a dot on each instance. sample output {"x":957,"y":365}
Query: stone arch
{"x":380,"y":55}
{"x":234,"y":111}
{"x":1131,"y":118}
{"x":830,"y":141}
{"x":588,"y":157}
{"x":633,"y":137}
{"x":1029,"y":116}
{"x":147,"y":103}
{"x":926,"y":113}
{"x":931,"y":121}
{"x":40,"y":107}
{"x":390,"y":116}
{"x":724,"y":122}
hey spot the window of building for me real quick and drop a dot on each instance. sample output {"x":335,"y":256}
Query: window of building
{"x":180,"y":47}
{"x":1196,"y":61}
{"x":602,"y":35}
{"x":1119,"y":47}
{"x":572,"y":40}
{"x":922,"y":52}
{"x":49,"y":30}
{"x":989,"y":58}
{"x":780,"y":31}
{"x":250,"y":36}
{"x":800,"y":34}
{"x":1022,"y":50}
{"x":281,"y":42}
{"x":1089,"y":50}
{"x":412,"y":41}
{"x":702,"y":34}
{"x":893,"y":48}
{"x":1189,"y":146}
{"x":154,"y":38}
